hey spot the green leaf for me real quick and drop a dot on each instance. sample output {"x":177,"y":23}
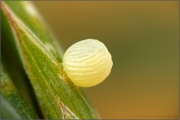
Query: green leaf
{"x":28,"y":14}
{"x":58,"y":97}
{"x":26,"y":11}
{"x":12,"y":63}
{"x":14,"y":102}
{"x":8,"y":112}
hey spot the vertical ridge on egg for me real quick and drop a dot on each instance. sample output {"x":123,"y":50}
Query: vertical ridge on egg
{"x":87,"y":62}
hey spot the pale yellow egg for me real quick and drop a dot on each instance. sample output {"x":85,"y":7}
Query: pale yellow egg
{"x":87,"y":62}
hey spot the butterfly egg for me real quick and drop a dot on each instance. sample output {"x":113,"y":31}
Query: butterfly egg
{"x":87,"y":62}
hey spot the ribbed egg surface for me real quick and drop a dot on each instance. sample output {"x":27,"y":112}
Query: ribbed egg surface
{"x":87,"y":62}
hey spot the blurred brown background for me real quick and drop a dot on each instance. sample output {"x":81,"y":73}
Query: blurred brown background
{"x":143,"y":38}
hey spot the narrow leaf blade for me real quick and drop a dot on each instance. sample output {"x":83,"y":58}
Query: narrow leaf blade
{"x":28,"y":14}
{"x":53,"y":90}
{"x":13,"y":101}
